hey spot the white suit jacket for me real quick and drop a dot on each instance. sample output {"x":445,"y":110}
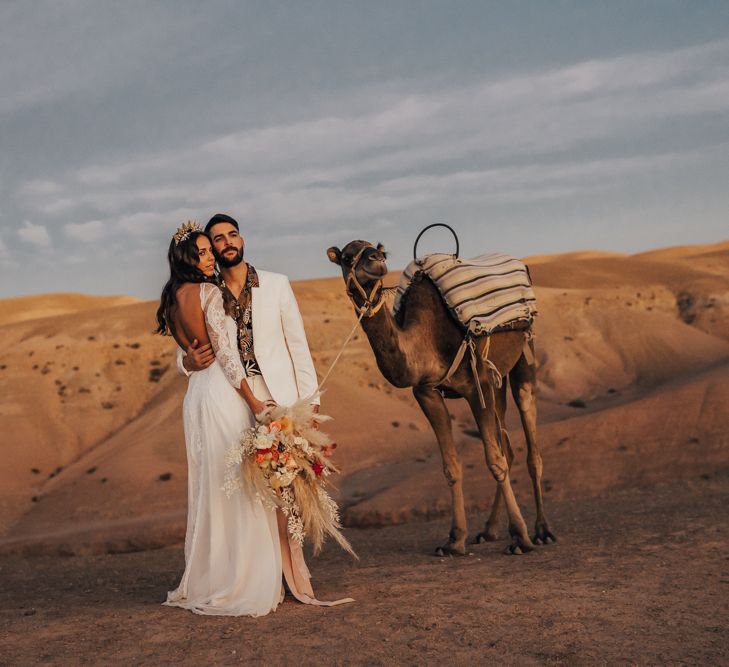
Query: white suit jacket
{"x":279,"y":341}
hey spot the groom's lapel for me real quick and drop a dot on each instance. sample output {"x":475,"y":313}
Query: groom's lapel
{"x":257,"y":302}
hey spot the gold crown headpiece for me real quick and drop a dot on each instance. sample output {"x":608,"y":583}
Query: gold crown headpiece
{"x":184,"y":231}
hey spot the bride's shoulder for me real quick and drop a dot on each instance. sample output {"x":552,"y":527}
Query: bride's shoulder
{"x":190,"y":292}
{"x":207,"y":292}
{"x":185,"y":290}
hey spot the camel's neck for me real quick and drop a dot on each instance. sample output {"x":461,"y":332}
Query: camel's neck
{"x":413,"y":352}
{"x":391,"y":346}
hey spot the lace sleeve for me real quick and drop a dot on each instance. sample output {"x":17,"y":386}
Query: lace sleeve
{"x":226,"y":352}
{"x":180,"y":365}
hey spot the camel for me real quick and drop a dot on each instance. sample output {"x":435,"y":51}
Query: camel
{"x":416,"y":351}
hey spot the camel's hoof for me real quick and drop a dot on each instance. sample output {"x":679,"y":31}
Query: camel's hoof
{"x":544,"y":536}
{"x":485,"y":537}
{"x":450,"y":550}
{"x":519,"y":547}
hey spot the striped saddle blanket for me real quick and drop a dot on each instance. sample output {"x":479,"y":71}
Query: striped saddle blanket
{"x":489,"y":293}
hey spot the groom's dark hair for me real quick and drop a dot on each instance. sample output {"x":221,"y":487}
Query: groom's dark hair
{"x":218,"y":218}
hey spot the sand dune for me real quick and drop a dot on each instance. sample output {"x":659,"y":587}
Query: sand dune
{"x":92,"y":401}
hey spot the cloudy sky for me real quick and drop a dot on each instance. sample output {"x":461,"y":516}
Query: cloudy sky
{"x":531,"y":127}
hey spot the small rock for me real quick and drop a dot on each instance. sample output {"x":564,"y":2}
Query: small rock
{"x":156,"y":373}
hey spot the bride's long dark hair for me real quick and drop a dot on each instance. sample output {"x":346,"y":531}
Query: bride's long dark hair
{"x":183,"y":259}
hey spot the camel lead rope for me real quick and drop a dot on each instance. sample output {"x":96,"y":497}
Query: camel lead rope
{"x":341,"y":350}
{"x":474,"y":370}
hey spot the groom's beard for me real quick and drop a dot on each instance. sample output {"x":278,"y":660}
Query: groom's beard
{"x":228,"y":262}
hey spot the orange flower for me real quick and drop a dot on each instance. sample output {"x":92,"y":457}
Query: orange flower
{"x":261,"y":458}
{"x":274,"y":427}
{"x":286,"y":425}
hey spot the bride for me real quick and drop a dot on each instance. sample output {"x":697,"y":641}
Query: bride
{"x":236,"y":549}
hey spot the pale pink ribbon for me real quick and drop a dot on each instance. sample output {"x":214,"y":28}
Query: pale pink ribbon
{"x":296,"y":573}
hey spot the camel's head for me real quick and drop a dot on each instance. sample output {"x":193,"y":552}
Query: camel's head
{"x":361,"y":257}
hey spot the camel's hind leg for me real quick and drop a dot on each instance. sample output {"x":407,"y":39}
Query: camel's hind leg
{"x":523,"y":379}
{"x":433,"y":405}
{"x":498,"y":465}
{"x":491,"y":529}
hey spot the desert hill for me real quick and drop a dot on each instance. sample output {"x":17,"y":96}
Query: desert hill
{"x":634,"y":363}
{"x":40,"y":306}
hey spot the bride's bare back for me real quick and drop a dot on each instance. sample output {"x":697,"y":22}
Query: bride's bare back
{"x":188,"y":317}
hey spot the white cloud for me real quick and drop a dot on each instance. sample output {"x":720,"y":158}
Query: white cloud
{"x":85,"y":231}
{"x":35,"y":234}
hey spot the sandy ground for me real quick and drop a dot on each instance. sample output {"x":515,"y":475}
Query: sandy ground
{"x":637,"y":577}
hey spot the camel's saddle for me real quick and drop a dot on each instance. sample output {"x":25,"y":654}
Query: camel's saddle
{"x":485,"y":294}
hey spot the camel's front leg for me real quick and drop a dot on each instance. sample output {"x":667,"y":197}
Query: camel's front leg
{"x":433,"y":405}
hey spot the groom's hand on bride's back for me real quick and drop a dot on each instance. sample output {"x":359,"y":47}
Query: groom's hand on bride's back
{"x":198,"y":357}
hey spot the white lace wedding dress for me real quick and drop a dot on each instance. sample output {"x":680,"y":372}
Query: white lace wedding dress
{"x":236,"y":549}
{"x":232,"y":550}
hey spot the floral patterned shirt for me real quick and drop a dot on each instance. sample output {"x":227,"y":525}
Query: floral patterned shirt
{"x":241,"y":311}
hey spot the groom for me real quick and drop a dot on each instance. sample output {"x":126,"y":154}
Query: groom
{"x":271,"y":338}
